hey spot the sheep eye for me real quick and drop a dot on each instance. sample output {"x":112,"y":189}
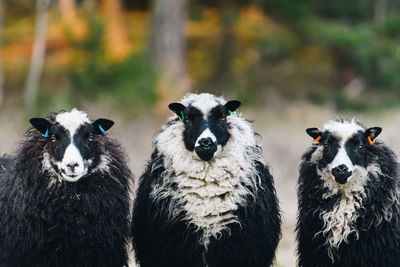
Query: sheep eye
{"x":90,"y":138}
{"x":326,"y":145}
{"x":53,"y":139}
{"x":222,"y":119}
{"x":360,"y":146}
{"x":187,"y":120}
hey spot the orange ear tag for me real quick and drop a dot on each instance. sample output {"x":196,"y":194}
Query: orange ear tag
{"x":371,"y":141}
{"x":316,"y":140}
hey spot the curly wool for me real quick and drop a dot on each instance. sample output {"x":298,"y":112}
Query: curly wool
{"x":192,"y":212}
{"x":48,"y":222}
{"x":357,"y":224}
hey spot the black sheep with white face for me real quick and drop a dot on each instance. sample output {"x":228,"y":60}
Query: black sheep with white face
{"x":344,"y":153}
{"x":72,"y":150}
{"x":207,"y":197}
{"x":205,"y":131}
{"x":65,"y":196}
{"x":349,"y":199}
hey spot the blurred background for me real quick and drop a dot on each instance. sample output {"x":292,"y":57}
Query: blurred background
{"x":293,"y":64}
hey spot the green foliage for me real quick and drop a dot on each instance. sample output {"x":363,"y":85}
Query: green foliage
{"x":291,"y":59}
{"x":338,"y":35}
{"x":308,"y":49}
{"x":362,"y":48}
{"x":290,"y":11}
{"x":356,"y":11}
{"x":391,"y":27}
{"x":129,"y":83}
{"x":278,"y":46}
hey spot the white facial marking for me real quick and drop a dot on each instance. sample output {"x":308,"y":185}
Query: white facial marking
{"x":342,"y":158}
{"x":71,"y":121}
{"x":72,"y":157}
{"x":203,"y":102}
{"x":206,"y":134}
{"x":344,"y":129}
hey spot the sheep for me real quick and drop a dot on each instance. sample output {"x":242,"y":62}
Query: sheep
{"x":349,"y":199}
{"x":5,"y":163}
{"x":206,"y":197}
{"x":64,"y":200}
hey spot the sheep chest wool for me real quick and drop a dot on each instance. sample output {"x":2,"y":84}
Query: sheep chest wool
{"x":349,"y":199}
{"x":64,"y":196}
{"x":206,"y":197}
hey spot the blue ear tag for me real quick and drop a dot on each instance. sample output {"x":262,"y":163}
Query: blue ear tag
{"x":102,"y":130}
{"x":230,"y":112}
{"x":181,"y":118}
{"x":46,"y":134}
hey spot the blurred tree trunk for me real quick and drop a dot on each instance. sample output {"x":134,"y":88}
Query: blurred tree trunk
{"x":68,"y":11}
{"x":70,"y":19}
{"x":168,"y":49}
{"x":118,"y":45}
{"x":1,"y":64}
{"x":38,"y":54}
{"x":380,"y":10}
{"x":228,"y":17}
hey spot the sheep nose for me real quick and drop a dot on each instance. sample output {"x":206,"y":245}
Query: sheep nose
{"x":72,"y":165}
{"x":341,"y":173}
{"x":342,"y":168}
{"x":206,"y":143}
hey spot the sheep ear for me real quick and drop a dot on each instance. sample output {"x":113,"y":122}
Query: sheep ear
{"x":372,"y":133}
{"x":102,"y":125}
{"x":232,"y":105}
{"x":178,"y":108}
{"x":42,"y":125}
{"x":315,"y":133}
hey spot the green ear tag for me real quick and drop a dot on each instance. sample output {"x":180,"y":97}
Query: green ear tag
{"x":181,"y":118}
{"x":230,"y":112}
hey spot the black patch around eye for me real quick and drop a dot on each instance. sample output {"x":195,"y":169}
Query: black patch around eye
{"x":356,"y":153}
{"x":57,"y":148}
{"x":88,"y":149}
{"x":194,"y":128}
{"x":198,"y":124}
{"x":330,"y":150}
{"x":192,"y":113}
{"x":219,"y":128}
{"x":218,"y":112}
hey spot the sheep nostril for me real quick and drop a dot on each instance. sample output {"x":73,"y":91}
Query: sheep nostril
{"x":73,"y":165}
{"x":341,"y":173}
{"x":342,"y":168}
{"x":206,"y":142}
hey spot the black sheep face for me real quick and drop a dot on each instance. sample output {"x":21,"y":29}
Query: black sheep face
{"x":72,"y":149}
{"x":342,"y":148}
{"x":206,"y":129}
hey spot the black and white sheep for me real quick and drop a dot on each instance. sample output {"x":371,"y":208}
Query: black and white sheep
{"x":349,"y":199}
{"x":64,"y":196}
{"x":5,"y":163}
{"x":206,"y":197}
